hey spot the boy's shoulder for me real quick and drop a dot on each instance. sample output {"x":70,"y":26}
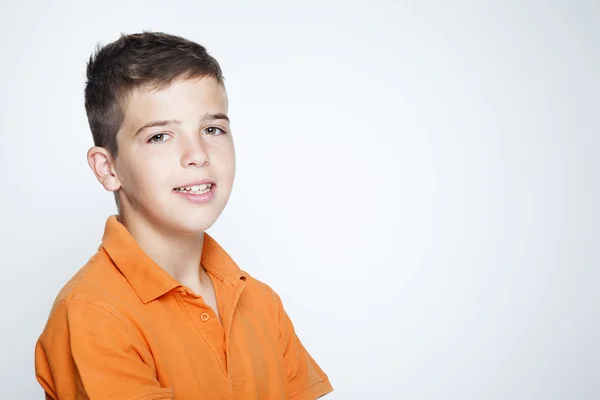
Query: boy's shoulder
{"x":97,"y":282}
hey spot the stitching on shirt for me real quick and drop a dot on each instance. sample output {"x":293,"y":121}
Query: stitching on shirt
{"x":73,"y":285}
{"x":310,"y":384}
{"x":103,"y":306}
{"x":152,"y":396}
{"x":131,"y":329}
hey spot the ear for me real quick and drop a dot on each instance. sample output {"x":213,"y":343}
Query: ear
{"x":103,"y":166}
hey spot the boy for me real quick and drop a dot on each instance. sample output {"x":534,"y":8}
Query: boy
{"x":161,"y":311}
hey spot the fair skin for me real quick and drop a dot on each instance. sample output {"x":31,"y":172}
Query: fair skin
{"x":170,"y":140}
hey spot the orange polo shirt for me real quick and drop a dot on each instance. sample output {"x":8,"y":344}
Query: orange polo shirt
{"x":123,"y":328}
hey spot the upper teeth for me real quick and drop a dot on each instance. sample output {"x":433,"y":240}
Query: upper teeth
{"x":196,"y":188}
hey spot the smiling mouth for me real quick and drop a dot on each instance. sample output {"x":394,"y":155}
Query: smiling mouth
{"x":196,"y":189}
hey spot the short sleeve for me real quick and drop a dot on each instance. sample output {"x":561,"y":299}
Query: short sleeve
{"x":88,"y":351}
{"x":306,"y":380}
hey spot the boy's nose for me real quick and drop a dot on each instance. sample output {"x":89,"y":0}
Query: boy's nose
{"x":195,"y":154}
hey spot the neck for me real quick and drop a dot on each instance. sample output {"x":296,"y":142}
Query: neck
{"x":178,"y":255}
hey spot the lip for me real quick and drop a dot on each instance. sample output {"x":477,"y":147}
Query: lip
{"x":198,"y":198}
{"x":195,"y":183}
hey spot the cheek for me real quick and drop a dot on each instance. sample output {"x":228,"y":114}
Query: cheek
{"x":228,"y":166}
{"x":138,"y":175}
{"x":223,"y":158}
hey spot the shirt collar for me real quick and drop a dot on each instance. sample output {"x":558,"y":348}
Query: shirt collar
{"x":148,"y":279}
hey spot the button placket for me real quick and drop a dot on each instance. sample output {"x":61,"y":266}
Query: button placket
{"x":230,"y":296}
{"x":207,"y":325}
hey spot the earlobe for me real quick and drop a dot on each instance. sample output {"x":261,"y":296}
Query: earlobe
{"x":102,"y":165}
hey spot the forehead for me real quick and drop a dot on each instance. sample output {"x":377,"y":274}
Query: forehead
{"x":184,"y":100}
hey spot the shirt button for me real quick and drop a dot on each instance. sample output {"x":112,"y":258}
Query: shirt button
{"x":204,"y":317}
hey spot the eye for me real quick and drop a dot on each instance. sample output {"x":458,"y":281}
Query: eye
{"x":213,"y":130}
{"x":158,"y":138}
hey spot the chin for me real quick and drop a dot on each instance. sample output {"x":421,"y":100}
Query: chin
{"x":193,"y":225}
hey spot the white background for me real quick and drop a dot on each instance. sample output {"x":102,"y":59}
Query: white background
{"x":418,"y":181}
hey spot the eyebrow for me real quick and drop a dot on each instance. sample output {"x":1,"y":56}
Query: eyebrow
{"x":153,"y":124}
{"x":213,"y":117}
{"x":166,"y":122}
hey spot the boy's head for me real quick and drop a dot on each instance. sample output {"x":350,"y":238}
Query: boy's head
{"x":157,"y":109}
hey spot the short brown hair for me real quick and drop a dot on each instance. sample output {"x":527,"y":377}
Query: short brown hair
{"x":153,"y":59}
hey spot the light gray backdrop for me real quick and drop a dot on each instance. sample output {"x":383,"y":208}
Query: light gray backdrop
{"x":418,"y":180}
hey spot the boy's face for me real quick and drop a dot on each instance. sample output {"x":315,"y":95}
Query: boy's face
{"x":176,"y":162}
